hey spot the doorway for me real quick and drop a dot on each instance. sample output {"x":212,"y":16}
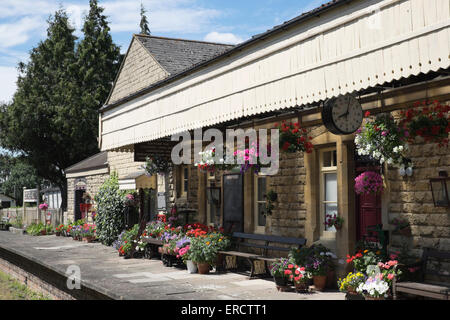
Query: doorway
{"x":78,"y":200}
{"x":368,"y":207}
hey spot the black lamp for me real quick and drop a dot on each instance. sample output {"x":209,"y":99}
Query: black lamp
{"x":439,"y":190}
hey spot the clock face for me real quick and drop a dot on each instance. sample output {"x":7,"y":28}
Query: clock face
{"x":346,"y":114}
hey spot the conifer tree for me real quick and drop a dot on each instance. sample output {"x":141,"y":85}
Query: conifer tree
{"x":144,"y":22}
{"x":45,"y":121}
{"x":98,"y":60}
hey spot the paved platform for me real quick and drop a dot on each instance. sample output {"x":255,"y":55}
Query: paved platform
{"x":103,"y":270}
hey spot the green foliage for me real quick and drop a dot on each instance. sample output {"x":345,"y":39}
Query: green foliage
{"x":110,"y":210}
{"x":53,"y":119}
{"x":35,"y":229}
{"x":16,"y":173}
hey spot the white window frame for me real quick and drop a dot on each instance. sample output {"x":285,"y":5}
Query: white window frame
{"x":322,"y":172}
{"x":210,"y":179}
{"x":257,"y":228}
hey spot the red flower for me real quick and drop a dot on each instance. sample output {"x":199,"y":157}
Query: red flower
{"x":367,"y":114}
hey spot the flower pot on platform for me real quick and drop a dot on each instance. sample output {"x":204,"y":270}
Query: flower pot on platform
{"x":302,"y":287}
{"x":203,"y":267}
{"x":191,"y":266}
{"x":281,"y":283}
{"x":320,"y":282}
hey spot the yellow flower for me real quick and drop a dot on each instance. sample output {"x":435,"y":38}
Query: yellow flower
{"x":365,"y":251}
{"x":207,"y":243}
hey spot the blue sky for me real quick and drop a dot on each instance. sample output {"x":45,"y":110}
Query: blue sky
{"x":23,"y":23}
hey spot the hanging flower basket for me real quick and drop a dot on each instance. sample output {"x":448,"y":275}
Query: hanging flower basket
{"x":383,"y":140}
{"x":210,"y":162}
{"x":293,"y":138}
{"x":369,"y":182}
{"x":431,"y":122}
{"x":155,"y":164}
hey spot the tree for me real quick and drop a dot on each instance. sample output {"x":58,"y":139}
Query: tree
{"x":98,"y":60}
{"x":144,"y":23}
{"x":15,"y":174}
{"x":46,"y":121}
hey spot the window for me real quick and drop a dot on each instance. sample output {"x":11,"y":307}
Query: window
{"x":328,"y":185}
{"x":260,"y":203}
{"x":184,"y":180}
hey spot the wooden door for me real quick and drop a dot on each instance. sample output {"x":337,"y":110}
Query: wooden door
{"x":368,"y":208}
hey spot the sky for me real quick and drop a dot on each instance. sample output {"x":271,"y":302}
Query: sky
{"x":23,"y":23}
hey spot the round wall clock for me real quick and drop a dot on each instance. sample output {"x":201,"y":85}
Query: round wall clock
{"x":342,"y":115}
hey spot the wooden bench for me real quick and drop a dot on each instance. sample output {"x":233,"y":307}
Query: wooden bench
{"x":265,"y":243}
{"x":425,"y":287}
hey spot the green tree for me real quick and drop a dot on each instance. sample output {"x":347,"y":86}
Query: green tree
{"x":144,"y":22}
{"x":15,"y":174}
{"x":98,"y":60}
{"x":46,"y":121}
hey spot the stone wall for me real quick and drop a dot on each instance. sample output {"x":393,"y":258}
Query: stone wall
{"x":411,"y":198}
{"x":123,"y":162}
{"x":93,"y":184}
{"x":139,"y":70}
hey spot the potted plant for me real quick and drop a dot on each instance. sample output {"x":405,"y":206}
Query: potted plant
{"x":401,"y":226}
{"x":333,"y":220}
{"x":88,"y":232}
{"x":156,"y":164}
{"x":300,"y":277}
{"x":203,"y":252}
{"x":281,"y":273}
{"x":59,"y":229}
{"x":351,"y":282}
{"x":374,"y":288}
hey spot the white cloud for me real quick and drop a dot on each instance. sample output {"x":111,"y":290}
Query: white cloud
{"x":19,"y":32}
{"x":8,"y":78}
{"x":222,"y":38}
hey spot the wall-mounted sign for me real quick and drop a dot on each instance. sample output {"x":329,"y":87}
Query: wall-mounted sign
{"x":30,"y":195}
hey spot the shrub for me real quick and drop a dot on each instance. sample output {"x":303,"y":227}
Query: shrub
{"x":110,"y":210}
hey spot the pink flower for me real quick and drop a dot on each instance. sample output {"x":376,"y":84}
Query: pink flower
{"x":393,"y":256}
{"x":390,"y":276}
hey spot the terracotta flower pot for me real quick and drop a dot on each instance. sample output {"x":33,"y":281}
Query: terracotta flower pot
{"x":320,"y":282}
{"x":43,"y":232}
{"x":203,"y":267}
{"x":331,"y":279}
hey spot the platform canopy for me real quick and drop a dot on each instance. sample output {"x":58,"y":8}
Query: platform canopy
{"x":342,"y":47}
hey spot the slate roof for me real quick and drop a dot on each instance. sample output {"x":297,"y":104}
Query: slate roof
{"x":97,"y":161}
{"x":195,"y":66}
{"x":176,"y":55}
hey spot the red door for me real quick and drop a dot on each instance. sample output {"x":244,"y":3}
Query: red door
{"x":368,"y":208}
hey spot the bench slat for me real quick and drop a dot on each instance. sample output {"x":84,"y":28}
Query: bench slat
{"x":262,"y":237}
{"x":443,"y":289}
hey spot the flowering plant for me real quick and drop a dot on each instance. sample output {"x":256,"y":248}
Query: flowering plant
{"x":388,"y":271}
{"x":369,"y":182}
{"x":154,"y":229}
{"x":248,"y":158}
{"x":131,"y":200}
{"x":43,"y":206}
{"x":431,"y":122}
{"x":202,"y":250}
{"x":210,"y":162}
{"x":298,"y":274}
{"x":87,"y":230}
{"x":155,"y":164}
{"x":383,"y":140}
{"x":59,"y":228}
{"x":373,"y":287}
{"x":279,"y":268}
{"x":351,"y":281}
{"x":362,"y":259}
{"x":334,"y":220}
{"x":293,"y":138}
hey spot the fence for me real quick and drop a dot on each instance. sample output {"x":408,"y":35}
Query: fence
{"x":33,"y":215}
